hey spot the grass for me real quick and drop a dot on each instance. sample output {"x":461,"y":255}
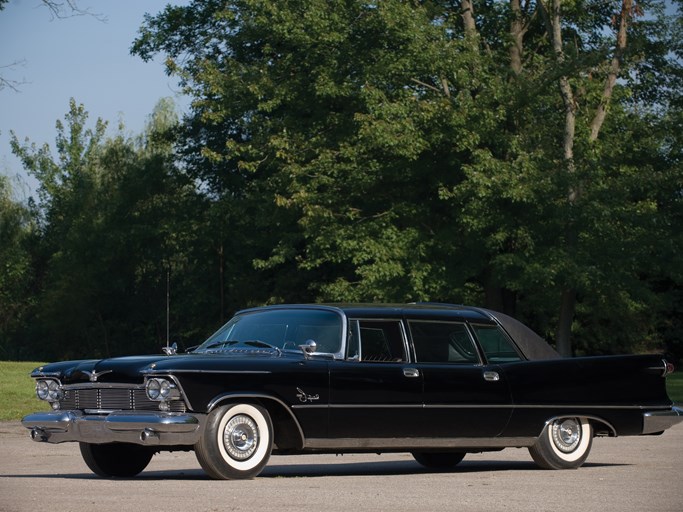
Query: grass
{"x":17,"y":391}
{"x":674,"y":386}
{"x":18,"y":398}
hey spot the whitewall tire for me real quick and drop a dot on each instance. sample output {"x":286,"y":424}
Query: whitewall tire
{"x":237,"y":442}
{"x":564,"y":444}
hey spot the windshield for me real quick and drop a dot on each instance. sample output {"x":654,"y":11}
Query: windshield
{"x":280,"y":328}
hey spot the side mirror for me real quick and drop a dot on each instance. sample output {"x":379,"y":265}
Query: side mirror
{"x":308,"y":347}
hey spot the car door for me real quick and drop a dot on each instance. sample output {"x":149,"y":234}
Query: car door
{"x":375,"y":392}
{"x":462,"y":397}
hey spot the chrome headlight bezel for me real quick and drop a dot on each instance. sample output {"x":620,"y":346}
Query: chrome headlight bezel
{"x":160,"y":389}
{"x":49,"y":390}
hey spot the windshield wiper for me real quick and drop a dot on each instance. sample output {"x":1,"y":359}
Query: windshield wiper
{"x":220,"y":344}
{"x":251,"y":343}
{"x":262,"y":344}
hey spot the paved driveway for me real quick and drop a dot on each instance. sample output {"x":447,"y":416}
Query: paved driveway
{"x":624,"y":474}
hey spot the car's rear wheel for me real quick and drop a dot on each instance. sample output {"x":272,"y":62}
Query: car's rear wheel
{"x":116,"y":459}
{"x":564,"y":444}
{"x":439,"y":460}
{"x":237,"y":442}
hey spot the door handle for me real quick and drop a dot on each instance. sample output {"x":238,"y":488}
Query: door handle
{"x":491,"y":376}
{"x":411,"y":372}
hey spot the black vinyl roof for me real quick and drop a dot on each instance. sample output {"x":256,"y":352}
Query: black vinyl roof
{"x":532,"y":346}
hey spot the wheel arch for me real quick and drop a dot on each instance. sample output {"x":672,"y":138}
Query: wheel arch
{"x":601,"y":427}
{"x":288,"y":434}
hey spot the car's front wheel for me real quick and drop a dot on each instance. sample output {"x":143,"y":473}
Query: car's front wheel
{"x":439,"y":460}
{"x":237,"y":442}
{"x":564,"y":444}
{"x":116,"y":459}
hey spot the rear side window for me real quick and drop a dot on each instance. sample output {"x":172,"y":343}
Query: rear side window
{"x":377,"y":341}
{"x":496,"y":345}
{"x":443,"y":342}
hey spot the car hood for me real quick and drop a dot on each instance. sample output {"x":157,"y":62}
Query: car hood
{"x":133,"y":369}
{"x":118,"y":369}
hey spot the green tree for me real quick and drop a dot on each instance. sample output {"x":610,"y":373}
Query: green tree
{"x":117,"y":219}
{"x":17,"y":232}
{"x":488,"y":152}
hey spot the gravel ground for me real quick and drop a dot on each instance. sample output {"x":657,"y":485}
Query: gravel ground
{"x":624,"y":474}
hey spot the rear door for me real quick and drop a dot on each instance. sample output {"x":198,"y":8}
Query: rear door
{"x":462,"y":397}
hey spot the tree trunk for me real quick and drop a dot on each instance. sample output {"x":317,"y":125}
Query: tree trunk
{"x":615,"y":67}
{"x":553,"y":19}
{"x":517,"y":36}
{"x":568,"y":296}
{"x":467,"y":13}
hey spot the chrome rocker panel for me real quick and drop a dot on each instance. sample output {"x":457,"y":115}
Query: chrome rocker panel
{"x":148,"y":428}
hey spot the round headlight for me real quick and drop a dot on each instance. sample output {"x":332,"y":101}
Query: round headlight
{"x":42,"y":389}
{"x":153,"y":389}
{"x":165,"y":390}
{"x":53,"y":391}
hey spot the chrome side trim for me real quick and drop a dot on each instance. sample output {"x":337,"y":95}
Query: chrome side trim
{"x":487,"y":406}
{"x":144,"y":428}
{"x":358,"y":406}
{"x":151,"y":371}
{"x":658,"y":421}
{"x":416,"y":443}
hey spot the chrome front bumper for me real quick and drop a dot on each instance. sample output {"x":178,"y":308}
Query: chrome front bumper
{"x":147,"y":428}
{"x":656,"y":422}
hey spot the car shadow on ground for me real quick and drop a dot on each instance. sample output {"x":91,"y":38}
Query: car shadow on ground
{"x":380,"y":468}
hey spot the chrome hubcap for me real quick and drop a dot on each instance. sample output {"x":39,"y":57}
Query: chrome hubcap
{"x":240,"y":437}
{"x":566,"y":434}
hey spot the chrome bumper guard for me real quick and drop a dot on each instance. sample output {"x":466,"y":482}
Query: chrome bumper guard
{"x":149,"y":428}
{"x":656,"y":422}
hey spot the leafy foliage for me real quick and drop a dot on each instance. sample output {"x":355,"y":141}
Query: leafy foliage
{"x":415,"y":162}
{"x":379,"y":151}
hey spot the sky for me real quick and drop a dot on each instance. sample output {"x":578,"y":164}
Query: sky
{"x":78,"y":57}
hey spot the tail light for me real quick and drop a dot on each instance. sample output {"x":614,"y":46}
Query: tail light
{"x":668,"y":368}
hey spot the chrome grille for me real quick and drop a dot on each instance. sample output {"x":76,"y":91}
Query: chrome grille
{"x":113,"y":399}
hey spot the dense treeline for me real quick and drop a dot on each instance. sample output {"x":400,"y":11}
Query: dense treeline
{"x":521,"y":155}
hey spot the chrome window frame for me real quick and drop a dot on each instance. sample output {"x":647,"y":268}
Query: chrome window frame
{"x":407,"y":352}
{"x":475,"y":345}
{"x":501,"y":330}
{"x":340,"y":354}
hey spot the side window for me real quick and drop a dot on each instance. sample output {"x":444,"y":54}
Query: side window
{"x":495,"y":344}
{"x":376,"y":341}
{"x":442,"y":342}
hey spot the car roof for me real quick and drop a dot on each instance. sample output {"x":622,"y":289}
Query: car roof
{"x":425,"y":310}
{"x":532,"y":346}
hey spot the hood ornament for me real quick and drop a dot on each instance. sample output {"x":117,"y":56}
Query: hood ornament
{"x":93,"y":376}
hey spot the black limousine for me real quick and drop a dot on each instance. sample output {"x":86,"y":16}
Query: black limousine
{"x":435,"y":380}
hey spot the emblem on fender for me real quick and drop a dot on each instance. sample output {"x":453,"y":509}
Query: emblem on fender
{"x":304,"y":398}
